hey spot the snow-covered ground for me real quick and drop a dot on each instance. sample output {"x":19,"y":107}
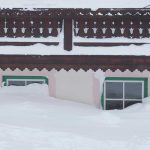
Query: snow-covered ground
{"x":31,"y":120}
{"x":94,"y":4}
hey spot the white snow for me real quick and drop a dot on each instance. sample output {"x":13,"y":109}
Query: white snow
{"x":94,"y":4}
{"x":31,"y":39}
{"x":103,"y":40}
{"x":31,"y":120}
{"x":40,"y":49}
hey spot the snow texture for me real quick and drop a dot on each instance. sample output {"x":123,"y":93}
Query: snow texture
{"x":31,"y":120}
{"x":40,"y":49}
{"x":94,"y":4}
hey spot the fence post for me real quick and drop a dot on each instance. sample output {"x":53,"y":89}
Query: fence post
{"x":68,"y":34}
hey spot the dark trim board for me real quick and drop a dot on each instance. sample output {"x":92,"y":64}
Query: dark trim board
{"x":27,"y":43}
{"x":106,"y":44}
{"x":75,"y":62}
{"x":84,"y":44}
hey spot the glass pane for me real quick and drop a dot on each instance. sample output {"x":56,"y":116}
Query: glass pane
{"x":31,"y":82}
{"x":129,"y":103}
{"x":16,"y":83}
{"x":112,"y":104}
{"x":133,"y":90}
{"x":114,"y":90}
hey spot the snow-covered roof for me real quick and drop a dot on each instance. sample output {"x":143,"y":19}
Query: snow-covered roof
{"x":39,"y":49}
{"x":94,"y":4}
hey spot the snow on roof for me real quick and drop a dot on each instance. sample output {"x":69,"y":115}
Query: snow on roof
{"x":40,"y":49}
{"x":94,"y":4}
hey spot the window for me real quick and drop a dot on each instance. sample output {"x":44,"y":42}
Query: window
{"x":15,"y":83}
{"x":120,"y":93}
{"x":24,"y":80}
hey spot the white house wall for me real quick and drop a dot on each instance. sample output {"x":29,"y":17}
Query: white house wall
{"x":75,"y":86}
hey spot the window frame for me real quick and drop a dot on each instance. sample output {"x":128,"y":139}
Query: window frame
{"x":25,"y":80}
{"x":6,"y":79}
{"x":124,"y":80}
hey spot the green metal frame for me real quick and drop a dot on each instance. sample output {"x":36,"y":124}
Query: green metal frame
{"x":5,"y":78}
{"x":126,"y":79}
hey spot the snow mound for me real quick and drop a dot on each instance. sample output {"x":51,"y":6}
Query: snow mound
{"x":106,"y":118}
{"x":139,"y":107}
{"x":32,"y":89}
{"x":30,"y":119}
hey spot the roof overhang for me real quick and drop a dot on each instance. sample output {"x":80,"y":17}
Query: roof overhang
{"x":77,"y":62}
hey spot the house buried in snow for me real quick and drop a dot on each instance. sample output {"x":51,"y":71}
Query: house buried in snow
{"x":99,"y":57}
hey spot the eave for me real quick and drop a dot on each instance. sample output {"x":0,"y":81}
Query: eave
{"x":77,"y":62}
